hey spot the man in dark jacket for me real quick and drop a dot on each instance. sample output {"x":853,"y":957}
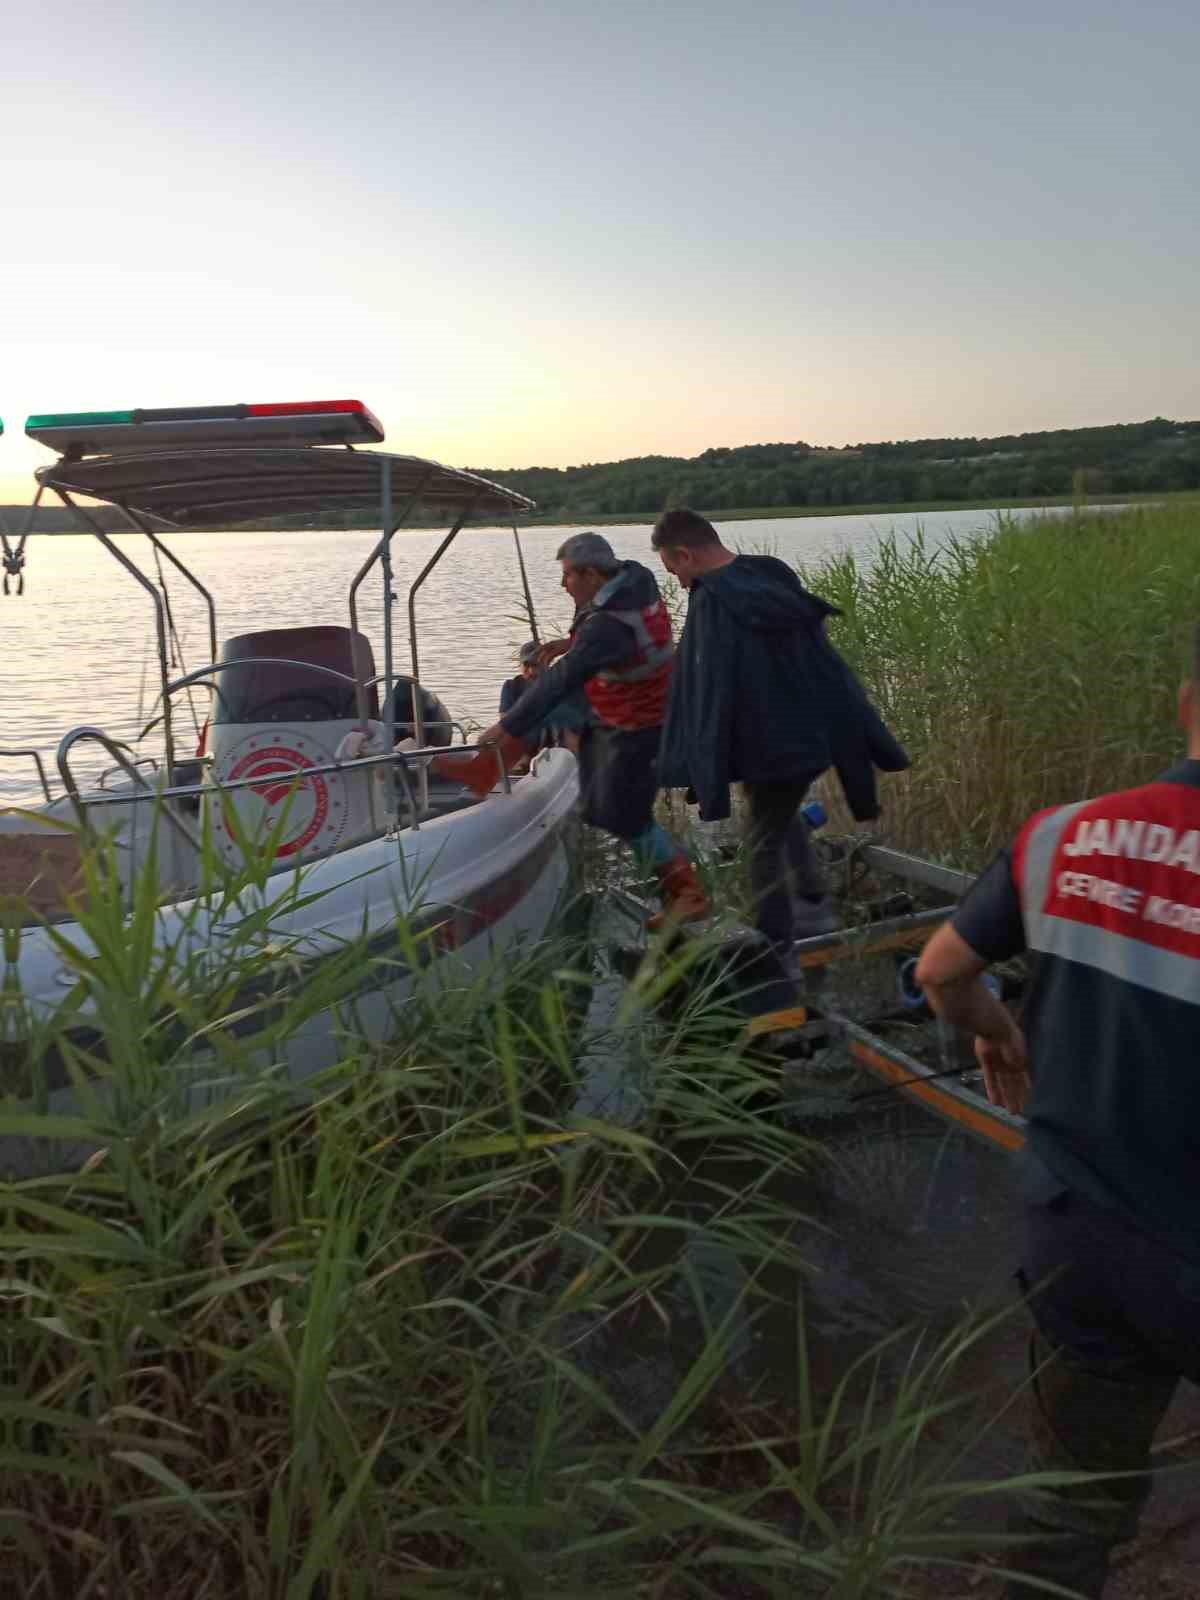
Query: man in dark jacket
{"x":760,"y":696}
{"x":620,"y":652}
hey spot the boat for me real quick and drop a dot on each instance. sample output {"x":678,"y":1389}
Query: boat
{"x":345,"y":776}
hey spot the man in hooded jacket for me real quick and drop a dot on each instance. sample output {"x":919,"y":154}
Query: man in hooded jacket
{"x":620,"y":652}
{"x":760,"y":696}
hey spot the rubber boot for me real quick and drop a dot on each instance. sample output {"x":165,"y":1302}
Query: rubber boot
{"x":481,"y":773}
{"x":683,"y":898}
{"x":1081,"y":1421}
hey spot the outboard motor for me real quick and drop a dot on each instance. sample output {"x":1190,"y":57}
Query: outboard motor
{"x":274,"y":717}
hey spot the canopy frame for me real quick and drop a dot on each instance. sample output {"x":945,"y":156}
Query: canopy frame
{"x":197,"y":487}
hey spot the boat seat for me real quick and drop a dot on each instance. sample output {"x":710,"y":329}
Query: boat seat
{"x":263,"y":690}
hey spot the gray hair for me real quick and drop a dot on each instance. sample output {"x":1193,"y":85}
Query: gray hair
{"x":588,"y":550}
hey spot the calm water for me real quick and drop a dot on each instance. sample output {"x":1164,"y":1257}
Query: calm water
{"x":79,"y":646}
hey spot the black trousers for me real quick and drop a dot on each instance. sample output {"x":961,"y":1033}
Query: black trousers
{"x":618,"y":777}
{"x":1118,"y":1325}
{"x":782,"y":859}
{"x":1119,"y":1301}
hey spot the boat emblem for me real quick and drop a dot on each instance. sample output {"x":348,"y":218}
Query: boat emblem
{"x":306,"y":802}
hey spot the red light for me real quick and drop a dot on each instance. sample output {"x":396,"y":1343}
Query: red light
{"x":303,"y":408}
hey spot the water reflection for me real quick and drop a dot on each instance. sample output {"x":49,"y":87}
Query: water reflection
{"x":79,"y":646}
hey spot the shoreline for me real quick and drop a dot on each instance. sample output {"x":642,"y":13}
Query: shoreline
{"x":888,"y":508}
{"x":616,"y":519}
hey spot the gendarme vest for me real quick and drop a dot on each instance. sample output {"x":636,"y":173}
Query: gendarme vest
{"x":1110,"y":900}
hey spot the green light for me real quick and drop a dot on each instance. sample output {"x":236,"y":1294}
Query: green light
{"x":77,"y":419}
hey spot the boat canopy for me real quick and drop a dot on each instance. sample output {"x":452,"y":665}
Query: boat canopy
{"x":212,"y":488}
{"x":213,"y":467}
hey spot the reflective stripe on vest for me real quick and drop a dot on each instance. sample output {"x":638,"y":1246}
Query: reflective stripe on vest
{"x":651,"y":627}
{"x":1117,"y":892}
{"x":634,"y":695}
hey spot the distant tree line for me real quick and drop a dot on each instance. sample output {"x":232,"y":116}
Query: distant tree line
{"x":1126,"y":458}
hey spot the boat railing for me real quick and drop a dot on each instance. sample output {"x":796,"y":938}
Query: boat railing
{"x":401,"y":760}
{"x":142,"y":761}
{"x":214,"y":667}
{"x":116,"y":750}
{"x":452,"y":723}
{"x":35,"y":757}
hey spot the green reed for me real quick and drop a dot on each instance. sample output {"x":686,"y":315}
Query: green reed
{"x":1025,"y":667}
{"x":368,"y":1338}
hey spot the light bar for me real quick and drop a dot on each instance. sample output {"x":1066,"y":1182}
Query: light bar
{"x":84,"y":433}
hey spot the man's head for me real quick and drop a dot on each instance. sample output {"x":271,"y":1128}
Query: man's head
{"x":527,"y":657}
{"x":588,"y":563}
{"x":688,"y":545}
{"x":1189,"y":699}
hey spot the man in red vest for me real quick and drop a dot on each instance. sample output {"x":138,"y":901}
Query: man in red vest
{"x":1105,"y":895}
{"x":620,"y":652}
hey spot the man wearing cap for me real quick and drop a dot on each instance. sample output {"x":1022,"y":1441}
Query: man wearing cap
{"x":564,"y":723}
{"x":513,"y":688}
{"x":619,"y":653}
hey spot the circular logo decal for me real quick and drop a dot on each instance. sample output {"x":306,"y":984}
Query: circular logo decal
{"x":304,"y":807}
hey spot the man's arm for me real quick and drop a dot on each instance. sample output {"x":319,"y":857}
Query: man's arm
{"x":949,"y":973}
{"x":599,"y":642}
{"x":986,"y":927}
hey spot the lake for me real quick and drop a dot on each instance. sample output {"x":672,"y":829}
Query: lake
{"x":79,"y":645}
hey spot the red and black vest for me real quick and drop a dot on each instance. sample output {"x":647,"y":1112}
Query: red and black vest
{"x":634,"y":693}
{"x":1110,"y":902}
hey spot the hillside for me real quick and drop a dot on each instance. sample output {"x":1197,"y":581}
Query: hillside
{"x":1125,"y":458}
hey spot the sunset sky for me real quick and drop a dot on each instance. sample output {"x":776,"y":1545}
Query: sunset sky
{"x":548,"y":233}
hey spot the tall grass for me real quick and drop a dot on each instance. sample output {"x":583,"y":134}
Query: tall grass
{"x":1024,"y":669}
{"x":377,"y":1340}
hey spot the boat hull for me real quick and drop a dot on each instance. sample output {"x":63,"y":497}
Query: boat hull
{"x":434,"y":905}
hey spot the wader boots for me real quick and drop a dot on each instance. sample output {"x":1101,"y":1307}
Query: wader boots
{"x":1082,"y":1422}
{"x":683,"y":898}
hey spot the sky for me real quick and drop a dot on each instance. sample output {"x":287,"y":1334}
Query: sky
{"x":533,"y":233}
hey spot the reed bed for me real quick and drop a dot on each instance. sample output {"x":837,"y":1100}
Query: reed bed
{"x":383,"y":1340}
{"x":1026,"y":667}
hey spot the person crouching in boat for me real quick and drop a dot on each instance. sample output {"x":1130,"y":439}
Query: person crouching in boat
{"x":619,"y":652}
{"x":760,"y":696}
{"x":562,"y":725}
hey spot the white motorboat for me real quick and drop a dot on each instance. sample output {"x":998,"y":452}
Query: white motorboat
{"x":365,"y":844}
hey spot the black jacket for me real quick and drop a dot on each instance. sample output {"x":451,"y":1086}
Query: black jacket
{"x":760,"y":695}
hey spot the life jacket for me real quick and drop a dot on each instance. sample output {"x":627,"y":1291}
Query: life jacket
{"x":633,"y":695}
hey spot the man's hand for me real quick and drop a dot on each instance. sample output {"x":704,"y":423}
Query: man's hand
{"x":551,"y":650}
{"x":949,"y":972}
{"x":1005,"y":1064}
{"x":492,"y":735}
